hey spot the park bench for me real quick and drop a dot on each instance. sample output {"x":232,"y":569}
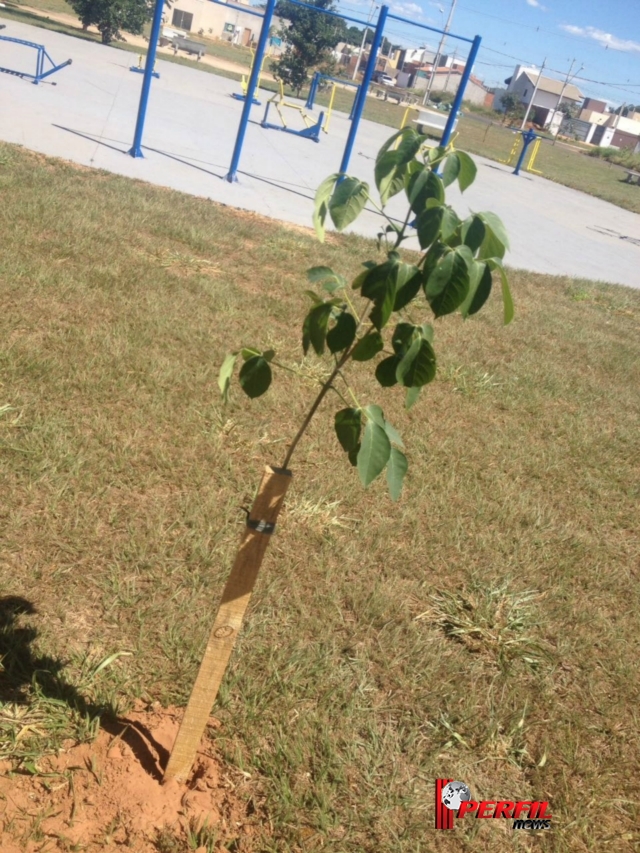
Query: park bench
{"x":429,"y":120}
{"x":631,"y":175}
{"x":189,"y":46}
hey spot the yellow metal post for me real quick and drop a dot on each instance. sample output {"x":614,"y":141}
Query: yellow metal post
{"x":328,"y":118}
{"x":532,"y":158}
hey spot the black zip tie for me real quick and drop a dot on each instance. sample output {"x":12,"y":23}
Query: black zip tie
{"x":258,"y":526}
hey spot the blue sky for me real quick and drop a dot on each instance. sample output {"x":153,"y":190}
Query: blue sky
{"x":603,"y":38}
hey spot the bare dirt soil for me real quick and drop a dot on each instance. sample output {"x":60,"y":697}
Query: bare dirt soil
{"x":109,"y":793}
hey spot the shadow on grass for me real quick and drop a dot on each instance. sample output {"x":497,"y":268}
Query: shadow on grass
{"x":24,"y":670}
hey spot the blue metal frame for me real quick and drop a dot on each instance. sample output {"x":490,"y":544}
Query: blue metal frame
{"x":232,"y":175}
{"x":364,"y":88}
{"x":431,"y":29}
{"x":313,"y":89}
{"x":312,"y":132}
{"x":42,"y":53}
{"x":457,"y":101}
{"x":136,"y":149}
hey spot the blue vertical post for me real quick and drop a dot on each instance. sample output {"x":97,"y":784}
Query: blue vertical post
{"x":136,"y":150}
{"x":457,"y":101}
{"x":39,"y":64}
{"x":312,"y":91}
{"x":527,"y":139}
{"x":361,"y":96}
{"x":251,"y":88}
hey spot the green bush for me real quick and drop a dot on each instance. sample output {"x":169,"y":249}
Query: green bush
{"x":620,"y":156}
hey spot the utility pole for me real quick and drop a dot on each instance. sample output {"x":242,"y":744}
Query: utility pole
{"x":564,"y":86}
{"x":453,"y":62}
{"x":535,"y":92}
{"x":364,"y":38}
{"x":436,"y":61}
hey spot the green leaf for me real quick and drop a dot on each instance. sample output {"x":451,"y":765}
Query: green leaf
{"x":479,"y":290}
{"x":353,"y":455}
{"x":343,"y":333}
{"x":331,"y":281}
{"x":418,"y":365}
{"x":375,"y":413}
{"x":249,"y":352}
{"x":439,"y":276}
{"x":507,"y":300}
{"x":473,"y":232}
{"x":268,"y":354}
{"x":450,"y":284}
{"x":424,"y":186}
{"x":467,"y":172}
{"x":368,"y":347}
{"x":359,"y":280}
{"x":412,"y":396}
{"x":403,"y":336}
{"x":406,"y":292}
{"x":380,"y":287}
{"x":315,"y":274}
{"x":427,"y":332}
{"x":451,"y":169}
{"x":374,"y":452}
{"x":496,"y":241}
{"x":389,"y":175}
{"x":314,"y":330}
{"x":320,"y":204}
{"x":347,"y":202}
{"x":226,"y":372}
{"x":314,"y":297}
{"x":255,"y":376}
{"x":428,"y":225}
{"x":386,"y":371}
{"x":396,"y":470}
{"x":348,"y":424}
{"x":450,"y":222}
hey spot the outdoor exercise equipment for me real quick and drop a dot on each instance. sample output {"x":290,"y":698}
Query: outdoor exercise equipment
{"x":528,"y":137}
{"x":281,"y":103}
{"x":361,"y":94}
{"x":316,"y":83}
{"x":40,"y":58}
{"x":140,"y":70}
{"x":312,"y":127}
{"x":244,"y":82}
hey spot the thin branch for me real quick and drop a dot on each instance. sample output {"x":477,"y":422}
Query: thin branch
{"x":314,"y":407}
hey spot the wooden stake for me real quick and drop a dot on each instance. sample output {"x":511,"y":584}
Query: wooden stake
{"x":235,"y":599}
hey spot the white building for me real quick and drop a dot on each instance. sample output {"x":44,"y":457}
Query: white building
{"x":238,"y":23}
{"x":545,"y":102}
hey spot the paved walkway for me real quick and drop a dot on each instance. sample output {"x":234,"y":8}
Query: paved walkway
{"x":89,"y":117}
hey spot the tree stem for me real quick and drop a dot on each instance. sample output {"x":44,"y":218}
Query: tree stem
{"x":316,"y":403}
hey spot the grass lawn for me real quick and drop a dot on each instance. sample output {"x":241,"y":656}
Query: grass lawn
{"x":483,"y":628}
{"x":557,"y":162}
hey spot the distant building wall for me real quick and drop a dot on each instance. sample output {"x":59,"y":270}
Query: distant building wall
{"x":594,"y":105}
{"x":230,"y":22}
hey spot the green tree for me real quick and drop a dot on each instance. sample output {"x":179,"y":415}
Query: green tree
{"x":511,"y":106}
{"x":309,"y":37}
{"x":112,"y":16}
